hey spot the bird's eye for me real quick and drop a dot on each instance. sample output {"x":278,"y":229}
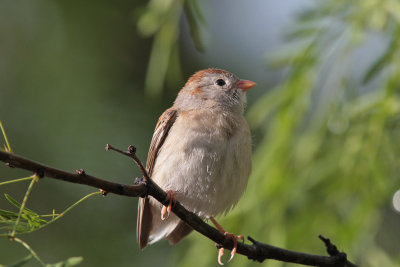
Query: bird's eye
{"x":220,"y":82}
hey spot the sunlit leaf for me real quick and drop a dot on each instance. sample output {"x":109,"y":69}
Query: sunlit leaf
{"x":73,"y":261}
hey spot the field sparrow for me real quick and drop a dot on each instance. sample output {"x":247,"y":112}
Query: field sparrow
{"x":200,"y":154}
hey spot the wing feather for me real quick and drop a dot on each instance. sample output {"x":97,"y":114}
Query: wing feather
{"x":144,"y":217}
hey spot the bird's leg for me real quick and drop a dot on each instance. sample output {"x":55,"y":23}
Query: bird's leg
{"x":171,"y":201}
{"x":232,"y":236}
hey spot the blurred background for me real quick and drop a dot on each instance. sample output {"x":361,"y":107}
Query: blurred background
{"x":325,"y":119}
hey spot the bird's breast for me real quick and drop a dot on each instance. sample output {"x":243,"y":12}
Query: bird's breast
{"x":206,"y":161}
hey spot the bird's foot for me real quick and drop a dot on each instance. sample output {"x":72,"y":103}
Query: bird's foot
{"x":171,"y":198}
{"x":229,"y":235}
{"x":233,"y":252}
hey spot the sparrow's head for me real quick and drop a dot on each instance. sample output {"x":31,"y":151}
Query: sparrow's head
{"x":214,"y":88}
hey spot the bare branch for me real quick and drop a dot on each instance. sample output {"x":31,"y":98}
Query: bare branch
{"x":132,"y":154}
{"x":257,"y":251}
{"x":19,"y":162}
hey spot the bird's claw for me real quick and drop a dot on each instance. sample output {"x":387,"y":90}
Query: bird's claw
{"x":220,"y":254}
{"x":167,"y":209}
{"x":233,"y":252}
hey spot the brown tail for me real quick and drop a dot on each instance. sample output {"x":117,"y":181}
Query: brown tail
{"x":150,"y":228}
{"x":144,"y":219}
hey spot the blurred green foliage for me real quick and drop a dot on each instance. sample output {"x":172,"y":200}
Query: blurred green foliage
{"x":160,"y":19}
{"x":328,"y":160}
{"x":75,"y":76}
{"x":71,"y":81}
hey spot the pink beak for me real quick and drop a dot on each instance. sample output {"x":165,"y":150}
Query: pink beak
{"x":245,"y":85}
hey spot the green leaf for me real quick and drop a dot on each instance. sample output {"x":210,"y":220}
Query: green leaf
{"x":73,"y":261}
{"x":22,"y":261}
{"x":387,"y":56}
{"x":12,"y":201}
{"x":195,"y":18}
{"x":18,"y":205}
{"x":30,"y":220}
{"x":8,"y":214}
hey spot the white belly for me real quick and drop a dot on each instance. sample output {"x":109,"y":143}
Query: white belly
{"x":211,"y":169}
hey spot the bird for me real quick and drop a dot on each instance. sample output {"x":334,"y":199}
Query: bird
{"x":200,"y":154}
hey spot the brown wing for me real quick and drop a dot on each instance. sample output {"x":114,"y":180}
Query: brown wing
{"x":144,"y":217}
{"x":163,"y":126}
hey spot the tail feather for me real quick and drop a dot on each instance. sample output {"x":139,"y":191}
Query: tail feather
{"x":150,"y":228}
{"x":180,"y":231}
{"x":161,"y":229}
{"x":144,"y":219}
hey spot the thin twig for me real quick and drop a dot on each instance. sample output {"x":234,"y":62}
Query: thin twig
{"x":132,"y":154}
{"x":33,"y":253}
{"x":36,"y":167}
{"x":55,"y":216}
{"x":334,"y":252}
{"x":7,"y":147}
{"x":330,"y":248}
{"x":17,"y":180}
{"x":21,"y":209}
{"x":157,"y":193}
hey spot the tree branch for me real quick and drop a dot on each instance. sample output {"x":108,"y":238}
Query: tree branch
{"x":257,"y":251}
